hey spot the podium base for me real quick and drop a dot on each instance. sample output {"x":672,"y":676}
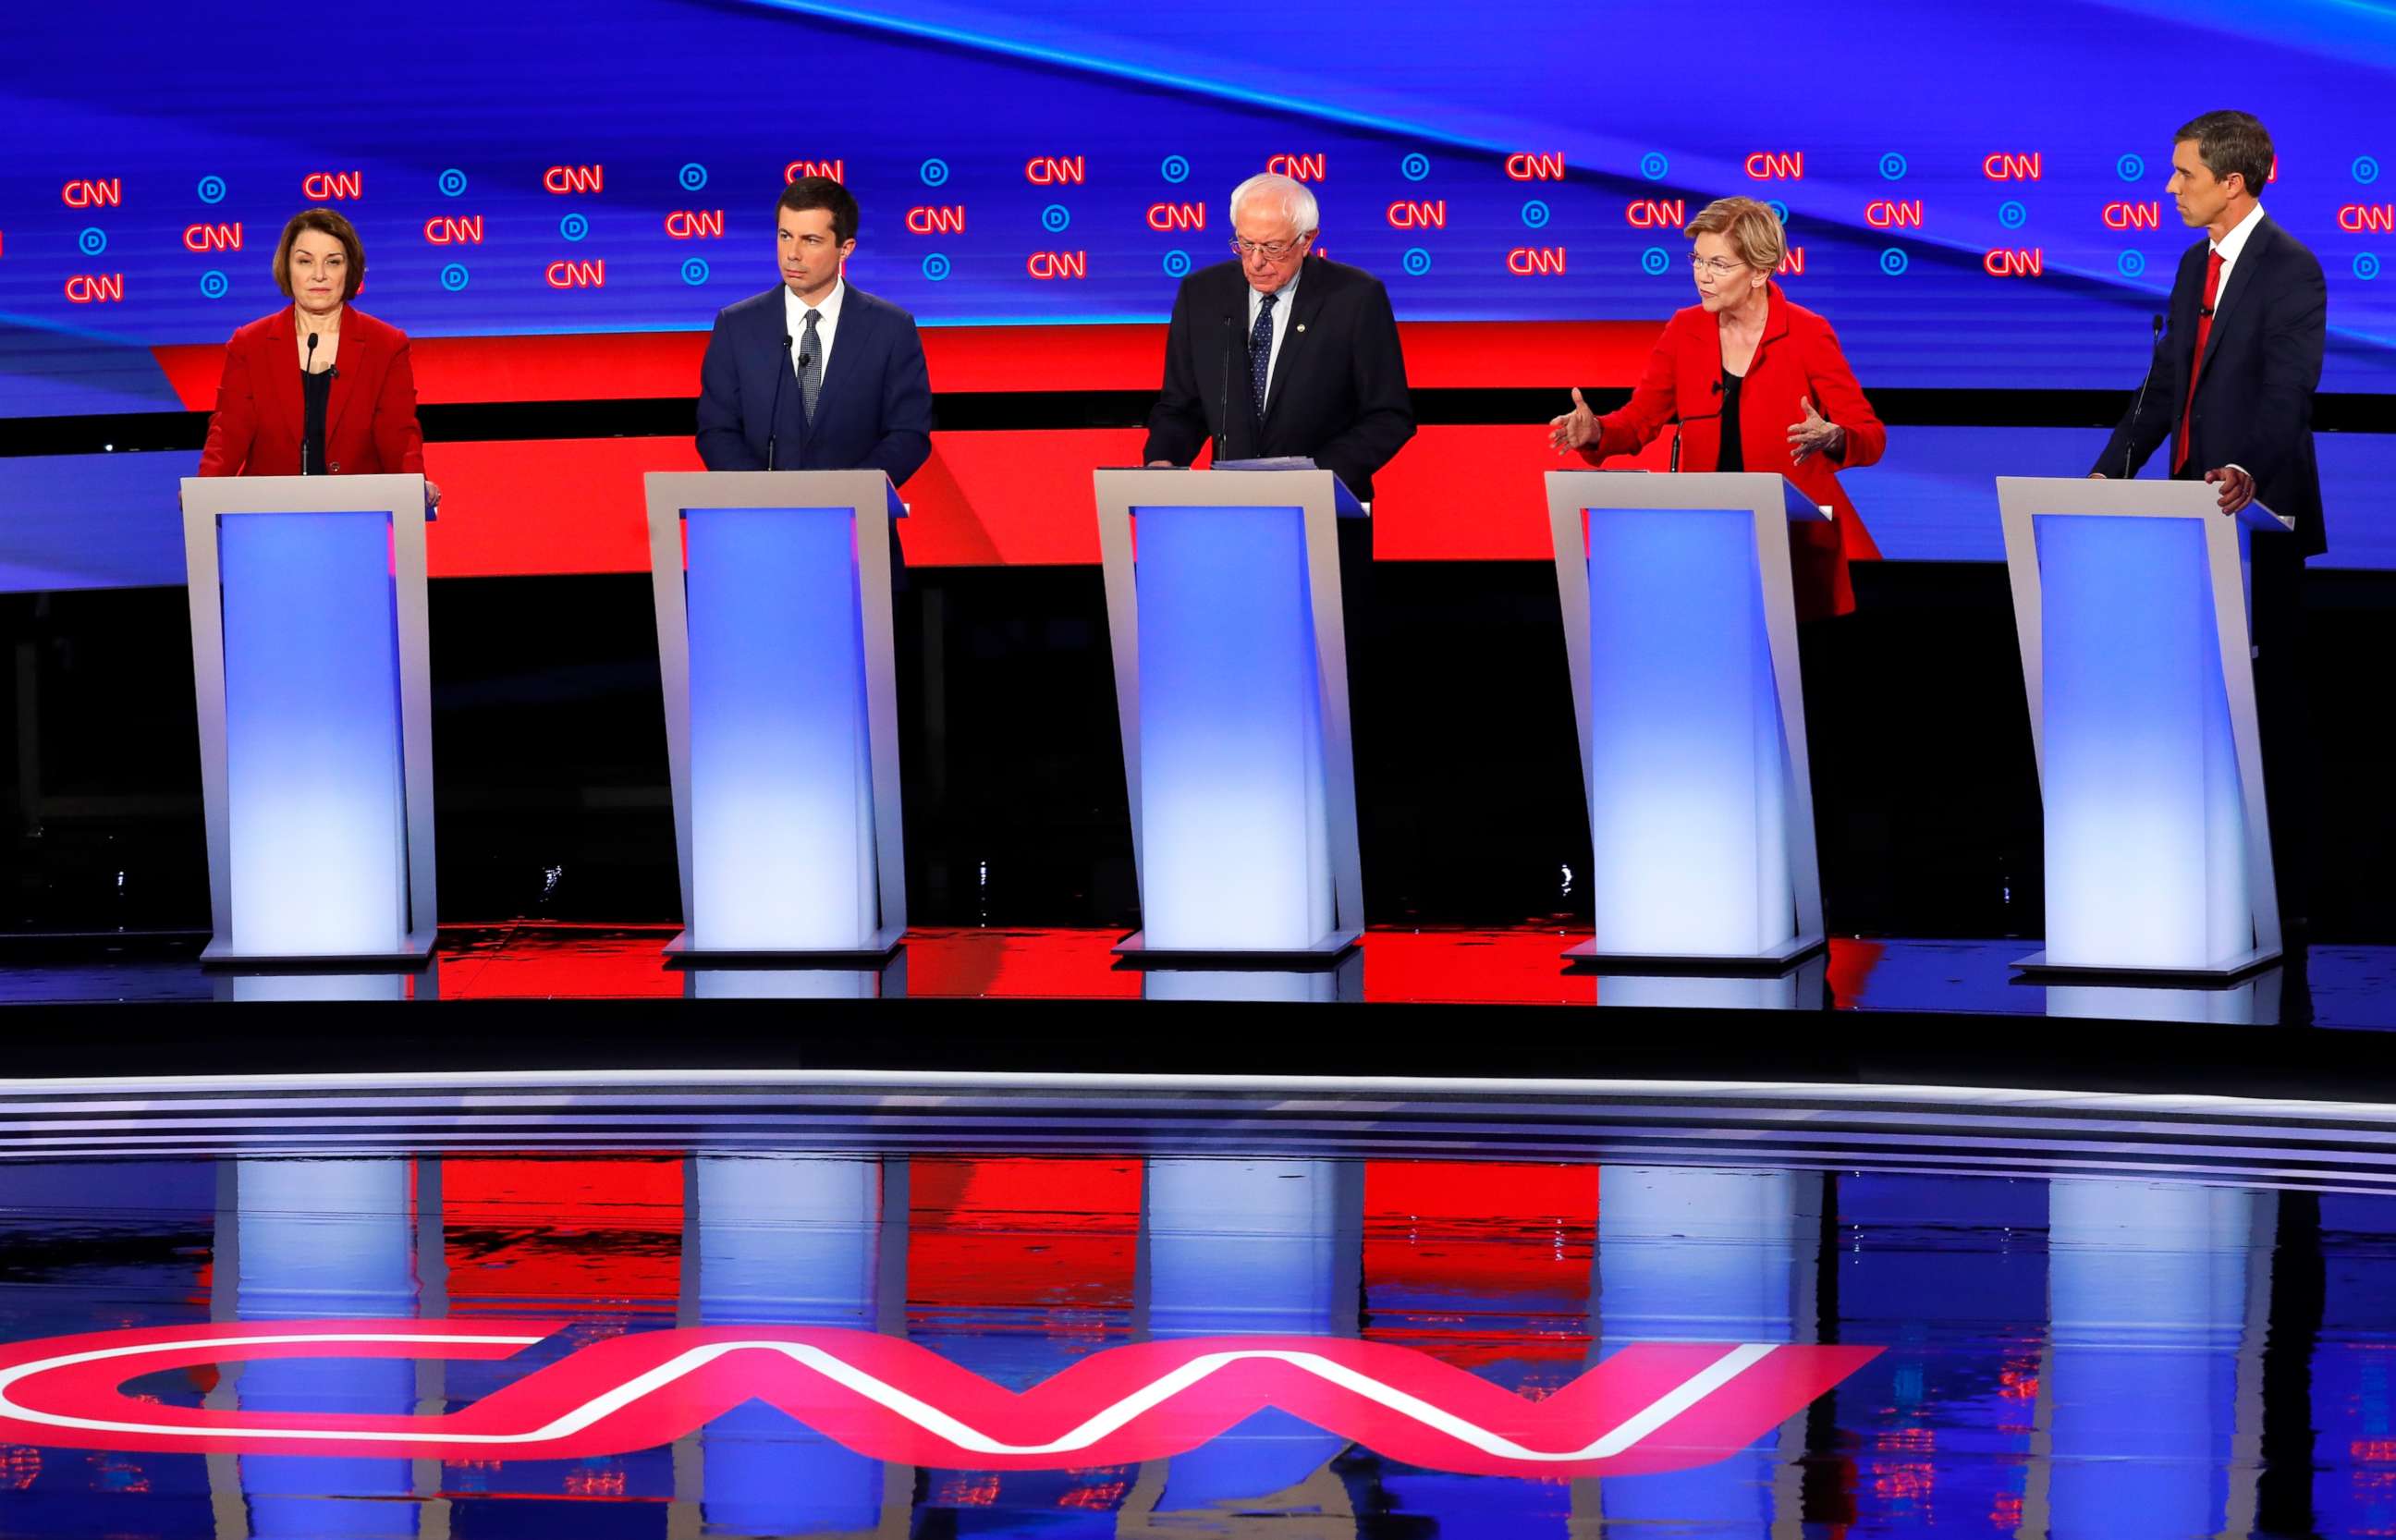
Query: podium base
{"x":413,"y":949}
{"x":2227,"y":969}
{"x":1136,"y":952}
{"x":1589,"y":956}
{"x":682,"y":953}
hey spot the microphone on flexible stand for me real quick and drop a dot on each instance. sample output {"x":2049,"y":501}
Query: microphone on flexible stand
{"x":307,"y":367}
{"x":1680,"y":425}
{"x":1223,"y":413}
{"x":773,"y":423}
{"x":2140,"y":404}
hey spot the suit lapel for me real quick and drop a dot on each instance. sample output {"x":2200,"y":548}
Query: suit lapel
{"x":1295,"y":343}
{"x":345,"y":381}
{"x":281,"y":385}
{"x":2227,"y":311}
{"x":856,"y":333}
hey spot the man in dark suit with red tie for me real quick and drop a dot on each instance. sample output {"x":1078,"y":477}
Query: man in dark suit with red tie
{"x":2231,"y":386}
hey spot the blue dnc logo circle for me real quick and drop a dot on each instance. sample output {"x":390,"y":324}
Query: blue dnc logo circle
{"x":574,"y":227}
{"x":453,"y":277}
{"x":693,"y":177}
{"x":1416,"y":261}
{"x":1054,"y":218}
{"x":214,"y":284}
{"x":935,"y":267}
{"x":694,"y":272}
{"x":2366,"y":264}
{"x":2013,"y":214}
{"x":1535,"y":214}
{"x":934,"y":171}
{"x":2131,"y":168}
{"x":1891,"y":166}
{"x":1176,"y":168}
{"x":93,"y":241}
{"x":1177,"y":264}
{"x":1655,"y":261}
{"x":1414,"y":168}
{"x":453,"y":181}
{"x":1894,"y":261}
{"x":1654,"y":166}
{"x":2366,"y":171}
{"x":1779,"y":211}
{"x":212,"y":189}
{"x":2131,"y":263}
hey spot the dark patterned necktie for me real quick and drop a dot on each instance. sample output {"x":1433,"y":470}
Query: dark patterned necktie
{"x":1260,"y":353}
{"x":811,"y":376}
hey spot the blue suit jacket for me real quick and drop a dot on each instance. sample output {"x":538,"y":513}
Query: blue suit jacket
{"x":873,"y":413}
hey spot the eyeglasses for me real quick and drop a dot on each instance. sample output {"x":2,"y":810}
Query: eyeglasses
{"x":1722,"y":266}
{"x":1271,"y":251}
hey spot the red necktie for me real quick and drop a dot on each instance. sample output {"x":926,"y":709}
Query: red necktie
{"x":2196,"y":367}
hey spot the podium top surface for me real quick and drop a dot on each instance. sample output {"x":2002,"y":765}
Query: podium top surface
{"x":399,"y":494}
{"x":1691,"y":490}
{"x":2092,"y":497}
{"x":1141,"y":487}
{"x":706,"y":489}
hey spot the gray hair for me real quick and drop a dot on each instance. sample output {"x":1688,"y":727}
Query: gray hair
{"x":1296,"y":201}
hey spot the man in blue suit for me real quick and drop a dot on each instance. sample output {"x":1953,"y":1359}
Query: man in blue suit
{"x":813,"y":374}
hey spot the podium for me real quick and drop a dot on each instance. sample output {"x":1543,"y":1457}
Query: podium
{"x":774,"y":642}
{"x":1680,"y":632}
{"x":2130,"y":598}
{"x":310,"y":665}
{"x":1231,"y":688}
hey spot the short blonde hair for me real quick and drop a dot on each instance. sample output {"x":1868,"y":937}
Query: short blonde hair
{"x":324,"y":222}
{"x":1751,"y":227}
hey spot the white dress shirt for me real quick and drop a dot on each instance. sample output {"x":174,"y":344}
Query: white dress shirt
{"x":1286,"y":300}
{"x":2230,"y":246}
{"x":794,"y":312}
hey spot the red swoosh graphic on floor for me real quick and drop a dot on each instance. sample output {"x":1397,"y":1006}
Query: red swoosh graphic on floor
{"x":1648,"y":1407}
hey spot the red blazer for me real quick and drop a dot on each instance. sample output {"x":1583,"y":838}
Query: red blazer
{"x":1799,"y":357}
{"x":370,"y":425}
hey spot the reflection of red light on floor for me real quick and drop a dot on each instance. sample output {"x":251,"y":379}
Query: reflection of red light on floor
{"x":1003,"y":965}
{"x":1485,"y":1240}
{"x":1058,"y":1234}
{"x":1516,"y":967}
{"x":519,"y":1229}
{"x":1851,"y":964}
{"x":533,"y":959}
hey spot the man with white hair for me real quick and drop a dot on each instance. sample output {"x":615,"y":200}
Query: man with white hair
{"x":1273,"y":354}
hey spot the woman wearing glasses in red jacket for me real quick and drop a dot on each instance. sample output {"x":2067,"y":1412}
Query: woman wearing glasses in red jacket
{"x":1757,"y":383}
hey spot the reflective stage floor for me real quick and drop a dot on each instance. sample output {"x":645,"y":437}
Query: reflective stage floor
{"x":536,"y":1243}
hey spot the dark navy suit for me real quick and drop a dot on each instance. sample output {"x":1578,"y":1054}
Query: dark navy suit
{"x":872,"y":413}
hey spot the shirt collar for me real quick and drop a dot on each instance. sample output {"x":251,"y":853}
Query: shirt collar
{"x":830,"y":306}
{"x":1281,"y":295}
{"x":2230,"y":246}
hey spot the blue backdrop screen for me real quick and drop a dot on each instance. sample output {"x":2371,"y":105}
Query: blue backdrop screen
{"x":1974,"y":191}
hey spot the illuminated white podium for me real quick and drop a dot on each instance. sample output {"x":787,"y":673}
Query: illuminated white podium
{"x":2130,"y":598}
{"x":1681,"y":632}
{"x":1232,"y":685}
{"x":312,"y":667}
{"x":782,"y":710}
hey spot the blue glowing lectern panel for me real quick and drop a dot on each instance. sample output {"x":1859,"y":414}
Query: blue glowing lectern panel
{"x":311,"y":734}
{"x":2130,"y":598}
{"x":1224,"y":614}
{"x":1681,"y":633}
{"x":781,"y":782}
{"x":1236,"y":836}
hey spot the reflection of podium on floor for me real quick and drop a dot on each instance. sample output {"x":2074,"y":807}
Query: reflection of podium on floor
{"x":2131,"y":600}
{"x":1681,"y":630}
{"x":311,"y":666}
{"x":774,"y":642}
{"x":1231,"y":683}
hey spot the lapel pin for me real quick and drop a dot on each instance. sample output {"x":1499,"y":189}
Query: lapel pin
{"x":1302,"y":325}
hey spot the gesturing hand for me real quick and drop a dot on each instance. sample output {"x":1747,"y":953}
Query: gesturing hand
{"x":2237,"y":487}
{"x":1575,"y":428}
{"x":1815,"y":435}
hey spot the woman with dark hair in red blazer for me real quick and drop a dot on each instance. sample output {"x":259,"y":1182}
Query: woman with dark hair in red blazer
{"x":1757,"y":384}
{"x":320,"y":388}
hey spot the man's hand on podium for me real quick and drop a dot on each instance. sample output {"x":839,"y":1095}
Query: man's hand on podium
{"x":432,"y":495}
{"x":2237,"y":487}
{"x":1575,"y":428}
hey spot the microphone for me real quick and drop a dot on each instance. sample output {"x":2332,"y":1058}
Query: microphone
{"x":1223,"y":416}
{"x":307,"y":367}
{"x":774,"y":422}
{"x":2140,"y":404}
{"x":1717,"y":387}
